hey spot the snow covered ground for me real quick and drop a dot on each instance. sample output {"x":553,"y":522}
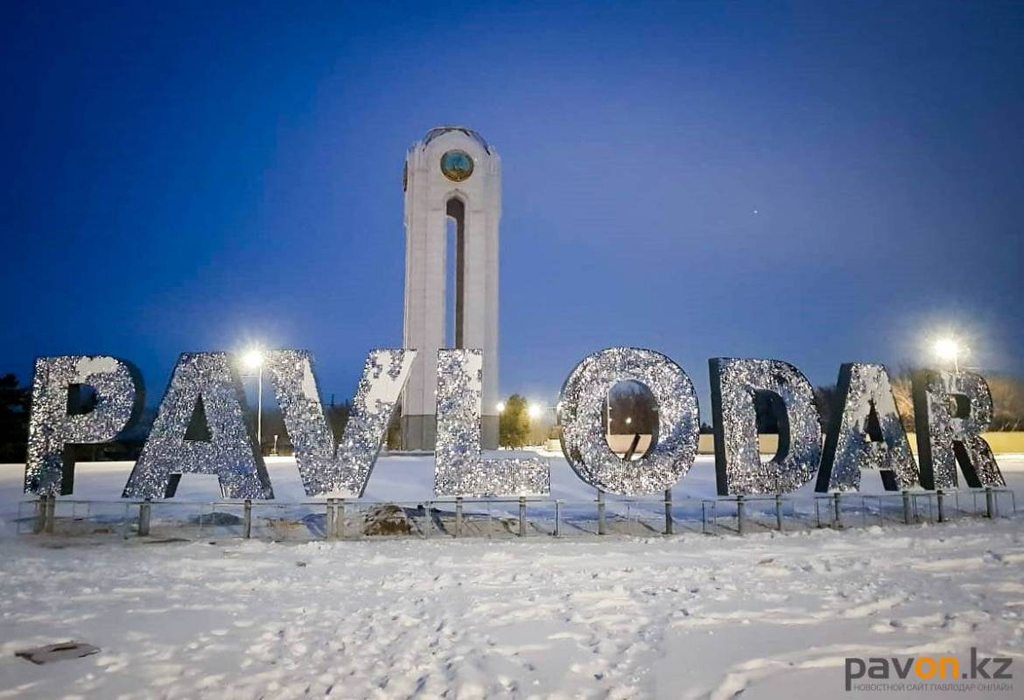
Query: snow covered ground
{"x":768,"y":614}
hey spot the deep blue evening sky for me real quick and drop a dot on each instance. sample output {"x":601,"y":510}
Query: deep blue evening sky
{"x":811,"y":182}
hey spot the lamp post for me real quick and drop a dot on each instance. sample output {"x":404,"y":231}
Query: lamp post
{"x":253,"y":360}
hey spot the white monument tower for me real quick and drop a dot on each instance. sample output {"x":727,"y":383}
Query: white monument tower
{"x":452,"y":211}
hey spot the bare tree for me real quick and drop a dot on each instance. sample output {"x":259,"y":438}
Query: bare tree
{"x":1007,"y":402}
{"x":903,"y":393}
{"x":1007,"y":399}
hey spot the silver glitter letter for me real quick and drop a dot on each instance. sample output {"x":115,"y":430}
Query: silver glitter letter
{"x":460,"y":469}
{"x":119,"y":397}
{"x":738,"y":465}
{"x":951,"y":411}
{"x":865,"y":432}
{"x":583,"y":440}
{"x":346,"y":468}
{"x":205,"y":383}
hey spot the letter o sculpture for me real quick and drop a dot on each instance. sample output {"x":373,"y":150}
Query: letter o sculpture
{"x":583,"y":440}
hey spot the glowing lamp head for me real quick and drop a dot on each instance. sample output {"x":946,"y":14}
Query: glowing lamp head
{"x":252,"y":359}
{"x":500,"y":407}
{"x":534,"y":411}
{"x":947,"y":349}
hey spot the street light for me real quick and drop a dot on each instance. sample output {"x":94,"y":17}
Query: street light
{"x":949,"y":349}
{"x":500,"y":407}
{"x":253,"y":361}
{"x":534,"y":411}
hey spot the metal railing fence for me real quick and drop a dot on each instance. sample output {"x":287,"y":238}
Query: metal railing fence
{"x":351,"y":519}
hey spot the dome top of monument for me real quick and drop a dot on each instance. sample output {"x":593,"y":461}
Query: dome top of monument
{"x":441,"y":130}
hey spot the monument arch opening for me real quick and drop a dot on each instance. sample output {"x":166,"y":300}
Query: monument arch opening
{"x":455,"y":277}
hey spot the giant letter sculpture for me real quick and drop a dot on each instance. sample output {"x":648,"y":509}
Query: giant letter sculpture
{"x":583,"y":439}
{"x":209,"y":380}
{"x":345,"y":468}
{"x":50,"y":470}
{"x":460,"y":469}
{"x":738,"y":465}
{"x":946,"y":436}
{"x":865,"y":432}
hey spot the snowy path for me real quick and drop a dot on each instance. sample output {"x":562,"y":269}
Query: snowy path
{"x":688,"y":616}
